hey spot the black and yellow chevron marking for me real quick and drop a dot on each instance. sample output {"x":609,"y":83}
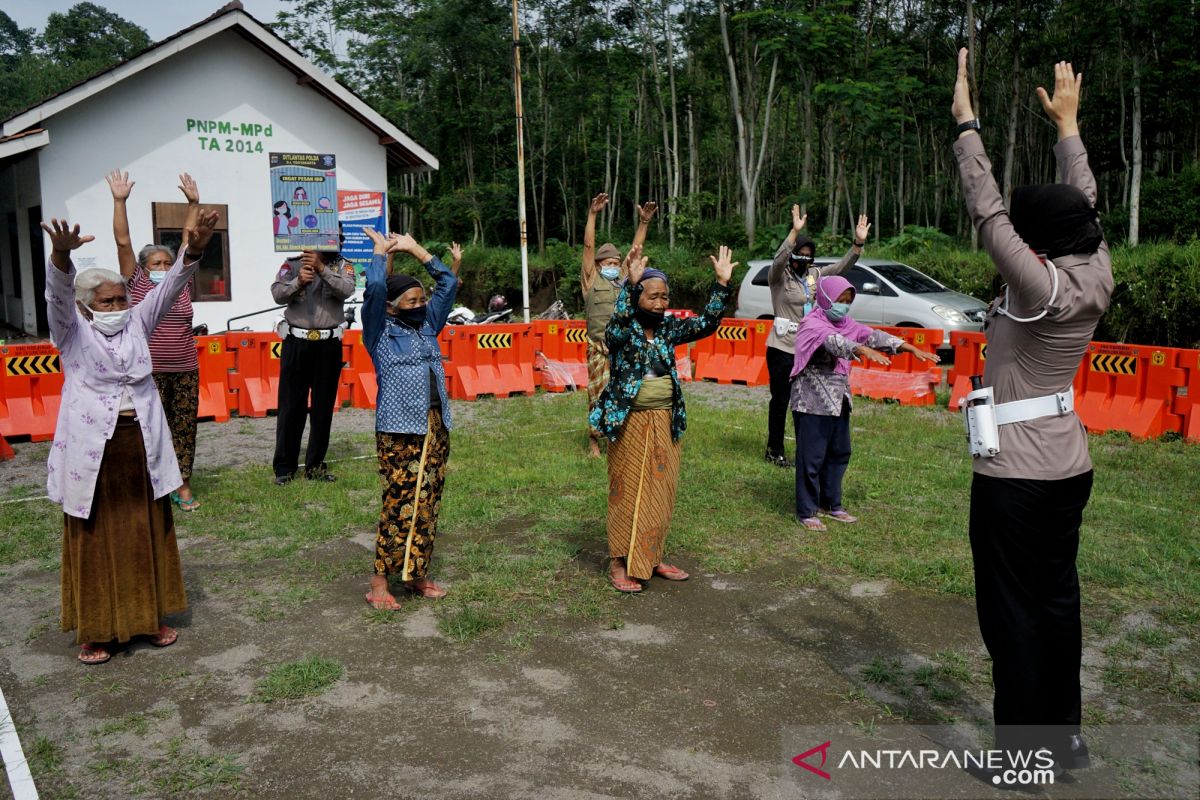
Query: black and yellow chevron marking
{"x":1113,"y":364}
{"x":276,"y":349}
{"x":732,"y":333}
{"x":493,"y":341}
{"x":576,"y":335}
{"x":20,"y":366}
{"x":983,"y":350}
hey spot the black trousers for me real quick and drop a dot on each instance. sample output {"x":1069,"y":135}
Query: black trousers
{"x":306,"y":367}
{"x":822,"y":457}
{"x":1024,"y":539}
{"x":779,"y":367}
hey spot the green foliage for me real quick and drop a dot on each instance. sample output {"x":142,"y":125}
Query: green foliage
{"x":296,"y":679}
{"x":1156,"y":296}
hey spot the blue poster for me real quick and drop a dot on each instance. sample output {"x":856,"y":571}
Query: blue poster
{"x":358,"y":210}
{"x":304,"y":201}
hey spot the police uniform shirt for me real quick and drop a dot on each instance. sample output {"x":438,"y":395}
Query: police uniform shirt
{"x":319,"y":304}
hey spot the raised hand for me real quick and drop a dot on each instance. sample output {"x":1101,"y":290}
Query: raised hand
{"x":635,"y":264}
{"x":196,"y":239}
{"x":961,"y":106}
{"x":723,"y":265}
{"x":403,"y":242}
{"x":1063,"y":107}
{"x":64,"y":238}
{"x":862,"y":230}
{"x":382,"y":245}
{"x":645,"y":211}
{"x":312,"y":260}
{"x":598,"y":203}
{"x":798,"y":222}
{"x":119,"y":184}
{"x":456,"y":251}
{"x":188,"y":186}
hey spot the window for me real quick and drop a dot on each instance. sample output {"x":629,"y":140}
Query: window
{"x":211,"y":282}
{"x":14,"y":254}
{"x":908,"y":279}
{"x":761,"y":278}
{"x":859,"y":276}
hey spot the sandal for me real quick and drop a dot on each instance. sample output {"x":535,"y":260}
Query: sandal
{"x":627,"y":585}
{"x":426,"y":588}
{"x":165,"y":637}
{"x":670,"y":573}
{"x":813,"y":524}
{"x":93,"y":654}
{"x":191,"y":504}
{"x":841,"y":515}
{"x":385,"y":603}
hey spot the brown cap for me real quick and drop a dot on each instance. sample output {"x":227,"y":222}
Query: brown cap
{"x":606,"y":251}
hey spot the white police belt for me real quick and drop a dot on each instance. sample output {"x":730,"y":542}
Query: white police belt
{"x":982,"y":417}
{"x":784,"y":326}
{"x":315,"y":334}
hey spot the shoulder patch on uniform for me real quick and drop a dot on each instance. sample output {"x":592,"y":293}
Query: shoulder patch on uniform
{"x":284,"y":271}
{"x":349,"y":268}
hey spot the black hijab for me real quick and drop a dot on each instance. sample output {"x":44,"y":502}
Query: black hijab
{"x":1055,"y":219}
{"x":801,"y":242}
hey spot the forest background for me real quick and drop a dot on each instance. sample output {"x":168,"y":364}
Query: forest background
{"x":726,"y":113}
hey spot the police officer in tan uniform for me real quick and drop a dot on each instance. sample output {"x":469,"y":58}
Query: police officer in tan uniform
{"x":313,"y":286}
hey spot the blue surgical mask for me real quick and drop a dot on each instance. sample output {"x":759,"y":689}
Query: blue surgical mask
{"x":837,"y":312}
{"x":610,"y":273}
{"x":156,"y":276}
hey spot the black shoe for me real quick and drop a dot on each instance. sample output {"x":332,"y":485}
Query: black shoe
{"x":778,"y":459}
{"x":280,"y":480}
{"x":1077,"y":756}
{"x":319,"y":473}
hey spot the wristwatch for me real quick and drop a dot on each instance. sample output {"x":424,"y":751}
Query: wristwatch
{"x":969,"y":125}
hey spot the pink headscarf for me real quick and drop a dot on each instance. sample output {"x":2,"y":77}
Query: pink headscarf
{"x":816,"y":327}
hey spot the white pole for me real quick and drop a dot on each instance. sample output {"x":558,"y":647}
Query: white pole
{"x":14,"y":759}
{"x":520,"y":163}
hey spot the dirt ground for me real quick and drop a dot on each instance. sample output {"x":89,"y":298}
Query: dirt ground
{"x":692,"y":697}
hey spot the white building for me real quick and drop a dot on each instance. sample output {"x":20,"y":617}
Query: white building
{"x":212,"y":100}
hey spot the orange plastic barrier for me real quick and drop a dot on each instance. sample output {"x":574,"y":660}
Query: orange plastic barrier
{"x":1129,"y":388}
{"x":736,"y":353}
{"x":1187,"y":397}
{"x":6,"y":451}
{"x":255,"y":381}
{"x":216,"y":363}
{"x":906,"y":379}
{"x":31,"y":382}
{"x":970,"y":351}
{"x":488,"y":359}
{"x":358,"y":373}
{"x":560,"y":354}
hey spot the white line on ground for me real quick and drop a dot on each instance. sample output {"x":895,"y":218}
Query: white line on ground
{"x":25,"y":499}
{"x":15,"y":764}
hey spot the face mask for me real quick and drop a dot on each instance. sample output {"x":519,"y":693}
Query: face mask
{"x":610,"y":273}
{"x":411,"y":317}
{"x":837,"y":312}
{"x":648,"y":319}
{"x":801,"y":263}
{"x":156,"y":276}
{"x":110,"y":323}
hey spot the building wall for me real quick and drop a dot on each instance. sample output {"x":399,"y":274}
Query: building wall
{"x":142,"y":125}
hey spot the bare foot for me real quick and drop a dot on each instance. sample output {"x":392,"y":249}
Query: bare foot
{"x":379,"y":597}
{"x":594,"y":449}
{"x":620,"y":580}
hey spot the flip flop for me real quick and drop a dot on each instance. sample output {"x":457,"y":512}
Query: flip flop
{"x":385,"y":603}
{"x":191,"y":504}
{"x":93,"y":654}
{"x":841,"y":515}
{"x":813,"y":524}
{"x":628,"y":586}
{"x":165,"y":637}
{"x":426,"y":588}
{"x":670,"y":572}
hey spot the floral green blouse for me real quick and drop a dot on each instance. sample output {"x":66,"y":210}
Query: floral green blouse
{"x":630,"y":356}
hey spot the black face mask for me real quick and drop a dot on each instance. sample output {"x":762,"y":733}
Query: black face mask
{"x":410,"y":317}
{"x":648,"y":319}
{"x":800,"y":263}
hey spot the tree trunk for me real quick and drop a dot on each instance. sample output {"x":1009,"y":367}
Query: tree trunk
{"x":1135,"y":180}
{"x":1010,"y":142}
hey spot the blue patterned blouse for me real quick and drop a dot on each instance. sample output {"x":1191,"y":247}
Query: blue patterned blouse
{"x":630,"y":356}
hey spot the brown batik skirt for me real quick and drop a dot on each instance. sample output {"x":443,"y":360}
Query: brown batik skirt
{"x":413,"y":469}
{"x":643,"y":472}
{"x":120,"y":567}
{"x":180,"y":393}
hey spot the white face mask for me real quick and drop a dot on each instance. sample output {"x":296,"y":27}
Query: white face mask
{"x":156,"y":276}
{"x":110,"y":323}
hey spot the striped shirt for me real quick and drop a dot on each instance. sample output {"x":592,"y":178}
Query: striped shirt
{"x":172,"y":346}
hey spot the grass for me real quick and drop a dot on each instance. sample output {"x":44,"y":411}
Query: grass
{"x":297,"y":679}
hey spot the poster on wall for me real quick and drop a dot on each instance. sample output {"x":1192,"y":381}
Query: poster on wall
{"x":358,"y":210}
{"x":304,"y":201}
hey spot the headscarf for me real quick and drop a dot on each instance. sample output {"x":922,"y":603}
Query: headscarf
{"x":815,"y":328}
{"x":654,"y":273}
{"x":804,"y":241}
{"x":399,"y":284}
{"x":606,"y":251}
{"x":1055,"y":219}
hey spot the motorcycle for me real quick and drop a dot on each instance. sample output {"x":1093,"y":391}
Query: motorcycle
{"x":497,"y":311}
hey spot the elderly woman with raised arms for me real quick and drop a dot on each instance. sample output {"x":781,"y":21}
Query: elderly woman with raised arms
{"x":112,"y":464}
